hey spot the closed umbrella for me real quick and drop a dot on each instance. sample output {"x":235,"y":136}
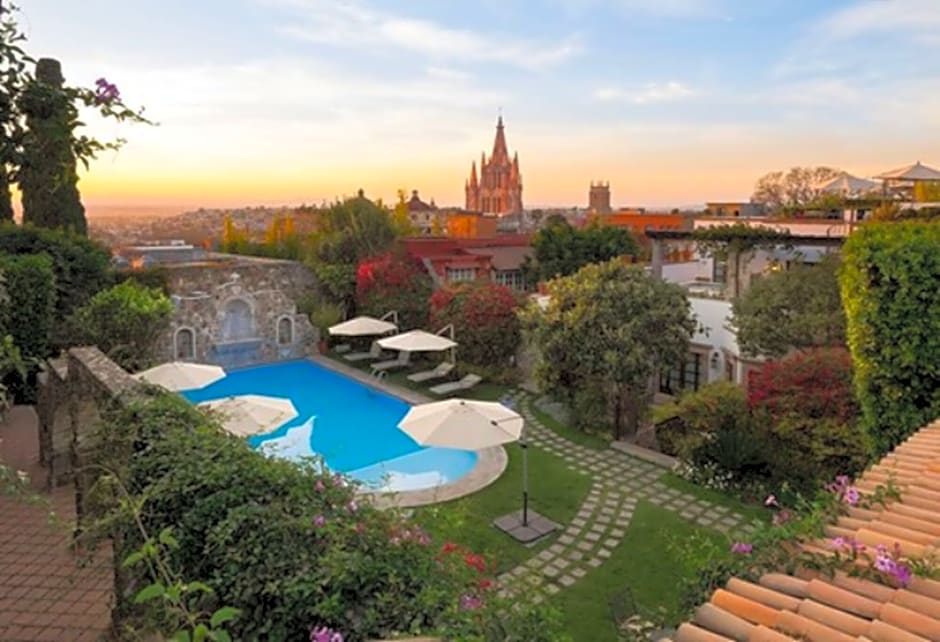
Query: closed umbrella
{"x":362,"y":326}
{"x":179,"y":375}
{"x":246,"y":415}
{"x":470,"y":425}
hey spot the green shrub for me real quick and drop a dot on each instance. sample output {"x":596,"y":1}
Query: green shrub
{"x":125,"y":322}
{"x":288,"y":546}
{"x":889,"y":289}
{"x":721,"y":404}
{"x":82,"y":267}
{"x":29,"y":314}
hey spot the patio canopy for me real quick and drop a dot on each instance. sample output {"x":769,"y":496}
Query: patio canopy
{"x":848,"y":185}
{"x":179,"y":375}
{"x":915,"y":172}
{"x":362,"y":327}
{"x":417,"y":341}
{"x":462,"y":423}
{"x":246,"y":415}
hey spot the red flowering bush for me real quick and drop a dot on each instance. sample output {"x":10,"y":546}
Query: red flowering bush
{"x":814,"y":384}
{"x":394,"y":281}
{"x":484,"y":318}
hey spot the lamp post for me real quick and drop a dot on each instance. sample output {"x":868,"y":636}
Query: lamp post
{"x":509,"y":403}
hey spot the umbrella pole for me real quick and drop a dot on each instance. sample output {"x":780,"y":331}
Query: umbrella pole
{"x":525,"y":482}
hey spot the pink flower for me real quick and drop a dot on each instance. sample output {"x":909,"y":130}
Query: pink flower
{"x":742,"y":548}
{"x":839,"y":542}
{"x":319,"y":485}
{"x":884,"y":564}
{"x":394,"y":541}
{"x":319,"y":521}
{"x":338,"y":480}
{"x":470,"y":602}
{"x":851,"y":495}
{"x":782,"y":517}
{"x":771,"y":501}
{"x":902,"y":573}
{"x":352,"y":506}
{"x":324,"y":634}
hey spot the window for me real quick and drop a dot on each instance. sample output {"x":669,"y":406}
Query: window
{"x":511,"y":279}
{"x":720,"y":271}
{"x":285,"y":331}
{"x":184,"y":344}
{"x":686,"y":376}
{"x":461,"y":275}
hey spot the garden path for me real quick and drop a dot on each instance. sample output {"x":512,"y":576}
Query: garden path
{"x":619,"y":482}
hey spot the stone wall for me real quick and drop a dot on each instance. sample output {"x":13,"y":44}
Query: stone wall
{"x":238,"y":311}
{"x":72,"y":391}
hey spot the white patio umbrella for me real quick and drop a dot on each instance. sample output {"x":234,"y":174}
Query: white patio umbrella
{"x":848,"y":185}
{"x":470,"y":425}
{"x":916,"y":172}
{"x":417,"y":341}
{"x":179,"y":375}
{"x":246,"y":415}
{"x":362,"y":326}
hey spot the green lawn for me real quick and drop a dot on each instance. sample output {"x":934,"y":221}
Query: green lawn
{"x":644,"y":563}
{"x":750,"y":511}
{"x":554,"y":491}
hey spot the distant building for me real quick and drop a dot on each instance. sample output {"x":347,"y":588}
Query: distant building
{"x":499,"y":187}
{"x":422,"y":214}
{"x":599,"y":198}
{"x":159,"y":253}
{"x":639,"y":222}
{"x":497,"y":259}
{"x":470,"y":225}
{"x":734,"y":209}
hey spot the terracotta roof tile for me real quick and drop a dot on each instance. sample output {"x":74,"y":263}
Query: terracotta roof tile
{"x":811,"y":605}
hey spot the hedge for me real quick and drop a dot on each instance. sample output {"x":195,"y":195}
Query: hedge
{"x":890,"y":282}
{"x":31,"y":290}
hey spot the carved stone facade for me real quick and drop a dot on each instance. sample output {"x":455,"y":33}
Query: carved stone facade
{"x":499,"y":188}
{"x":238,"y":311}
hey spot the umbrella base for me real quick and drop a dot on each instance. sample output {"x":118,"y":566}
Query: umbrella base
{"x":537,"y":526}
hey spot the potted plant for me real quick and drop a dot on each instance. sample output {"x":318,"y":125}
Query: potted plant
{"x":322,"y":317}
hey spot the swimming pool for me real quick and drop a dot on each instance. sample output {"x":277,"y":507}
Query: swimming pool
{"x":352,"y":426}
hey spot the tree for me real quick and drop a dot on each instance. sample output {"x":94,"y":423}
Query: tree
{"x":797,"y":187}
{"x":38,"y":124}
{"x":394,"y":281}
{"x":125,"y":322}
{"x":401,"y":217}
{"x":791,"y":310}
{"x":561,"y":249}
{"x":607,"y":329}
{"x":484,"y":320}
{"x":349,"y":231}
{"x":29,"y":314}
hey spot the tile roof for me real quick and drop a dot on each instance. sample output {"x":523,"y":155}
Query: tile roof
{"x":815,"y":607}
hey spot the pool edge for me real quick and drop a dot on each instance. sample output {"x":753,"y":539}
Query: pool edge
{"x":490,"y":465}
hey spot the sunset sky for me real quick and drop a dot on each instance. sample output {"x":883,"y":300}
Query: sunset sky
{"x":673,"y":101}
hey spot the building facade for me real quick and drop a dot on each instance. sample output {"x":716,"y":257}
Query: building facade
{"x":498,"y":190}
{"x":497,"y":259}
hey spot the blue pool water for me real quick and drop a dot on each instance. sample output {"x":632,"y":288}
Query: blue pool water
{"x":352,"y":426}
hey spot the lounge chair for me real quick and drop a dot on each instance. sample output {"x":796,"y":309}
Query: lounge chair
{"x":466,"y":383}
{"x":442,"y":370}
{"x":374,"y":353}
{"x":400,"y":361}
{"x":342,"y":348}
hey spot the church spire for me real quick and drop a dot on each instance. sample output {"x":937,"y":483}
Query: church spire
{"x":473,"y":173}
{"x":515,"y":166}
{"x":499,"y":145}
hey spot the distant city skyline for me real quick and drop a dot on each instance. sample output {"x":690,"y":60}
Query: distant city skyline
{"x":675,"y":102}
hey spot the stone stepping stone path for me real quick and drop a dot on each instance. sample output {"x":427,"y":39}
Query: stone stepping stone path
{"x":618,"y":483}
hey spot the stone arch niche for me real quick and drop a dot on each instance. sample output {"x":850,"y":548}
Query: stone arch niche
{"x":238,"y":320}
{"x":184,"y":344}
{"x":285,"y":331}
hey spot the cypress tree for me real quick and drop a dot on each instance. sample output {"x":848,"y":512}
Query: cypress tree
{"x":49,"y":176}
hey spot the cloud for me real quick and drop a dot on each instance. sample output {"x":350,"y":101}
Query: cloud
{"x":355,"y":25}
{"x":915,"y":18}
{"x":650,"y":93}
{"x":656,"y":8}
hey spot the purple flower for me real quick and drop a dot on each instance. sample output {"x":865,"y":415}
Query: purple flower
{"x":851,"y":495}
{"x":839,"y":542}
{"x":470,"y":602}
{"x":771,"y":501}
{"x":902,"y":573}
{"x":742,"y":548}
{"x":324,"y":634}
{"x":106,"y":92}
{"x":319,"y":521}
{"x":884,"y":564}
